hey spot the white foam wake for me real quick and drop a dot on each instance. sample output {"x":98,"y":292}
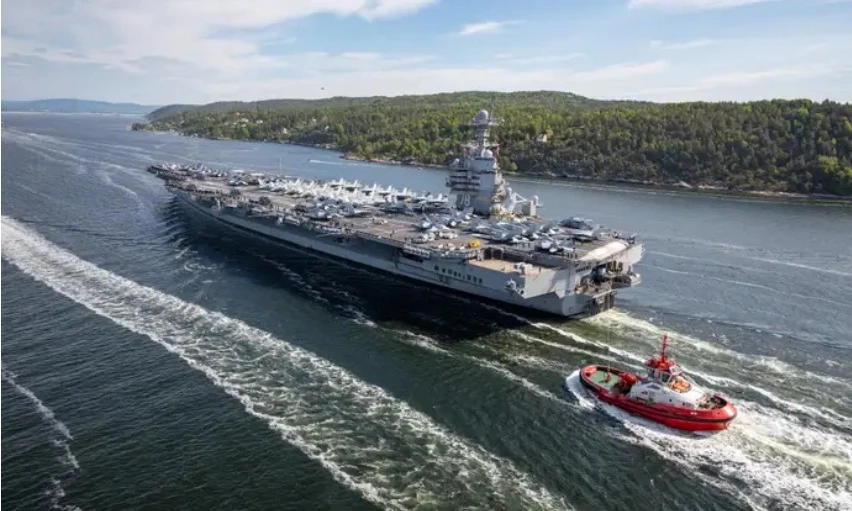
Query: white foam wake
{"x":47,"y":147}
{"x":61,"y":439}
{"x":781,"y":462}
{"x":780,"y":457}
{"x":394,"y":455}
{"x":355,"y":314}
{"x":63,"y":434}
{"x":342,"y":163}
{"x":819,"y":269}
{"x":427,"y":343}
{"x":623,"y":320}
{"x":770,"y":364}
{"x":568,"y":348}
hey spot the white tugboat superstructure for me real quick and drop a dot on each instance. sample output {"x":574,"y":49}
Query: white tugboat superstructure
{"x":664,"y":394}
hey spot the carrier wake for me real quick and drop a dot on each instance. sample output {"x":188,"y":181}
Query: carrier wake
{"x":483,"y":239}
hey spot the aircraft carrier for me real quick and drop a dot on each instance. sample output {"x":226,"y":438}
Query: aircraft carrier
{"x":488,"y":242}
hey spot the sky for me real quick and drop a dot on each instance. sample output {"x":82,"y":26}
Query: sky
{"x":197,"y":51}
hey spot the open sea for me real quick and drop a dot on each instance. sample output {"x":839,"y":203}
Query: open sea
{"x":153,"y":361}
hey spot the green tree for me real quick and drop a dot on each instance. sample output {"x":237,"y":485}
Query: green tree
{"x":777,"y":145}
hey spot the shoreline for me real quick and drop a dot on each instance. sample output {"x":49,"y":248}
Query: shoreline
{"x":388,"y":161}
{"x":680,"y":190}
{"x":707,"y":191}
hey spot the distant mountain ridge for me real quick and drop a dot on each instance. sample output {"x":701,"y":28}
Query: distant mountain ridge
{"x":70,"y":105}
{"x":475,"y":99}
{"x":771,"y":146}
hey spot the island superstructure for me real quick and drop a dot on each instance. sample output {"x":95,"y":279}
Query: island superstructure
{"x":488,"y":242}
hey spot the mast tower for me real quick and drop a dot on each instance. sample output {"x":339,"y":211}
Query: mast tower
{"x":475,"y":178}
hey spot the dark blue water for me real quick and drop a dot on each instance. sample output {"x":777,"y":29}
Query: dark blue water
{"x":151,"y":360}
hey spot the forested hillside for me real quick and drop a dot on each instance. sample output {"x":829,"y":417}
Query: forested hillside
{"x":64,"y":105}
{"x":784,"y":146}
{"x":472,"y":99}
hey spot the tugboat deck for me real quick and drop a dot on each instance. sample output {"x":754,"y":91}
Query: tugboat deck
{"x":600,"y":377}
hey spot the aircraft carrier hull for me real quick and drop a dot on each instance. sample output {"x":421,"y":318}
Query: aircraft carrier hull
{"x":454,"y":276}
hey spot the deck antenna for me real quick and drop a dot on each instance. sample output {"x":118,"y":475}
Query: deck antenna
{"x":608,"y":342}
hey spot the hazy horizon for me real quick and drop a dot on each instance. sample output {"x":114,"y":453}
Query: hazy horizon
{"x":157,"y":106}
{"x":650,"y":50}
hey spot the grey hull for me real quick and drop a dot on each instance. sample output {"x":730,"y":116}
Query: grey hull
{"x":450,"y":275}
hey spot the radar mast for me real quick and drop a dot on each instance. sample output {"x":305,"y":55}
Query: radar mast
{"x":475,"y":178}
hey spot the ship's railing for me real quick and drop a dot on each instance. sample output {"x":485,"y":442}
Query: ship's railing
{"x":417,"y":251}
{"x":427,"y":253}
{"x":205,"y":193}
{"x":457,"y":254}
{"x":508,"y":253}
{"x":329,"y":229}
{"x":465,"y":188}
{"x":375,"y":237}
{"x":463,"y":176}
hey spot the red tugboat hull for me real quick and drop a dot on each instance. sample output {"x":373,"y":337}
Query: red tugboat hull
{"x":717,"y":418}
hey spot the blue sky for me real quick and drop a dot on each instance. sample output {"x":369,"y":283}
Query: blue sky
{"x":195,"y":51}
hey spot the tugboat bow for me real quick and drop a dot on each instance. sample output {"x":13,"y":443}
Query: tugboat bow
{"x":663,"y":394}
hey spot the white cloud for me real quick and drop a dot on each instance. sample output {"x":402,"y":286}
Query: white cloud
{"x":201,"y":51}
{"x":485,"y":27}
{"x":354,"y":55}
{"x":322,"y":62}
{"x":684,"y":45}
{"x":121,"y":34}
{"x":692,"y":4}
{"x":790,"y":65}
{"x":552,"y":59}
{"x":519,"y":60}
{"x":739,"y":79}
{"x":598,"y":82}
{"x":622,"y":71}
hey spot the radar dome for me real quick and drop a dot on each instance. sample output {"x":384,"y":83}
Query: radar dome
{"x":481,"y":116}
{"x":487,"y":153}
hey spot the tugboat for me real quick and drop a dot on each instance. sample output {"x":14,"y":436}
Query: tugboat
{"x":663,"y":395}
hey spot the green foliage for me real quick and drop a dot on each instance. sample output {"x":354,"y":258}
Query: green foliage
{"x":779,"y":145}
{"x":472,"y":99}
